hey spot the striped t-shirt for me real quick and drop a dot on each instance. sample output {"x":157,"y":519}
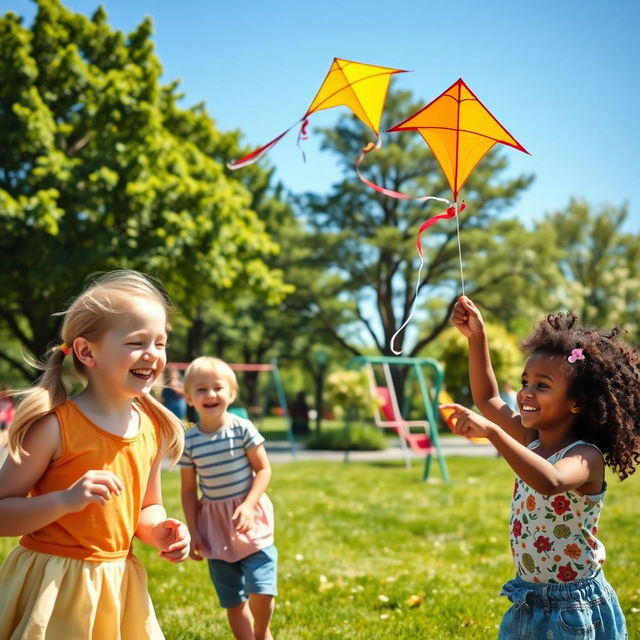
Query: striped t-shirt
{"x":220,"y":458}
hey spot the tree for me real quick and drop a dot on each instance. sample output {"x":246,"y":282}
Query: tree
{"x":369,"y":239}
{"x":249,"y":329}
{"x":100,"y":168}
{"x":599,"y":265}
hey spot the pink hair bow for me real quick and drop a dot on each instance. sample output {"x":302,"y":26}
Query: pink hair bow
{"x":576,"y":354}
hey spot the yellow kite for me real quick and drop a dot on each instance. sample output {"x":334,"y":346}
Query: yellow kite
{"x":460,"y":130}
{"x":360,"y":87}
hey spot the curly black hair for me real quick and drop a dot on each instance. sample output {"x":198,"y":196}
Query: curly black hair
{"x":605,"y":385}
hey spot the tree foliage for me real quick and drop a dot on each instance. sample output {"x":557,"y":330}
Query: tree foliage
{"x":599,"y":265}
{"x":100,"y":167}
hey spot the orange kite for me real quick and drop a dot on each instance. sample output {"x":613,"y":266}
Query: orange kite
{"x":360,"y":87}
{"x":460,"y":130}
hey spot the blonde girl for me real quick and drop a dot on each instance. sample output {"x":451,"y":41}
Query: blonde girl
{"x":83,"y":475}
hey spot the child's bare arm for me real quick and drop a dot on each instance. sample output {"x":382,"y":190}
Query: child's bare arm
{"x":582,"y":469}
{"x":468,"y":320}
{"x":189,"y":498}
{"x":168,"y":535}
{"x":243,"y":516}
{"x":20,"y":513}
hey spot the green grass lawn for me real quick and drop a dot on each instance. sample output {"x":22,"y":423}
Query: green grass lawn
{"x":361,"y":543}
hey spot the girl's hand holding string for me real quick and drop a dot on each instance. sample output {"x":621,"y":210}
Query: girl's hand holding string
{"x":172,"y":538}
{"x":468,"y":423}
{"x":243,"y":518}
{"x":95,"y":485}
{"x":466,"y":317}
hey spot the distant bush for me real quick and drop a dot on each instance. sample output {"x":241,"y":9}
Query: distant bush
{"x":356,"y":437}
{"x":347,"y":393}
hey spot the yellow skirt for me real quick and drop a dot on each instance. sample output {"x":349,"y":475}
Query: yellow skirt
{"x":45,"y":597}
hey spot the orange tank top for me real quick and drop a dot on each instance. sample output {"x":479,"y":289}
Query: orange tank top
{"x":97,"y":532}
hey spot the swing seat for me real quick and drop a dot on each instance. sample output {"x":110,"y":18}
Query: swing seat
{"x":420,"y":443}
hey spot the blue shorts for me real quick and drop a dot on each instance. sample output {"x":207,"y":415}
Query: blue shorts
{"x":234,"y":581}
{"x":586,"y":609}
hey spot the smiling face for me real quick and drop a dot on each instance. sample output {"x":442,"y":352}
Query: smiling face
{"x":210,"y":393}
{"x":130,"y":356}
{"x":543,"y":399}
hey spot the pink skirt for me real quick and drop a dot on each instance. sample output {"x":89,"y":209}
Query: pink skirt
{"x":219,"y":534}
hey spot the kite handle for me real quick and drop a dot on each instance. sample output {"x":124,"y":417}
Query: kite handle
{"x":449,"y":213}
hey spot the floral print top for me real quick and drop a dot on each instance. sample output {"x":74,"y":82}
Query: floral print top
{"x":553,"y":538}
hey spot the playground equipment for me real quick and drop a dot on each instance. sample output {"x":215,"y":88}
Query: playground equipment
{"x":425,"y":442}
{"x":275,"y":384}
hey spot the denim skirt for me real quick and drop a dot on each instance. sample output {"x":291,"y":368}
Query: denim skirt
{"x":583,"y":609}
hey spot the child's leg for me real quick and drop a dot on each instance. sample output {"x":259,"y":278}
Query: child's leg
{"x":260,"y":571}
{"x":228,"y":579}
{"x":262,"y":606}
{"x":241,"y":622}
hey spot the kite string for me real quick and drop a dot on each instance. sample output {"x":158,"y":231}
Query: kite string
{"x":413,"y":306}
{"x":449,"y":213}
{"x":460,"y":247}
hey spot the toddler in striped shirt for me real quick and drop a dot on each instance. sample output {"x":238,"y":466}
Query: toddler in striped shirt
{"x":225,"y":473}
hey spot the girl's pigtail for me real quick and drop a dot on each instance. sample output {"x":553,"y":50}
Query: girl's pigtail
{"x":47,"y":393}
{"x":170,"y":425}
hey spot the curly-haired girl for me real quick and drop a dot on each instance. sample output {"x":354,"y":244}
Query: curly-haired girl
{"x":579,"y":403}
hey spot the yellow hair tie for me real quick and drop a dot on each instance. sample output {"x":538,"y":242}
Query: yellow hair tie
{"x":64,"y":347}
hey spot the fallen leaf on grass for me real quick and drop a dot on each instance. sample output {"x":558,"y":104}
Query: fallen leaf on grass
{"x":414,"y":601}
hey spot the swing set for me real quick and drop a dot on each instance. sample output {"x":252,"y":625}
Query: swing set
{"x":416,"y":436}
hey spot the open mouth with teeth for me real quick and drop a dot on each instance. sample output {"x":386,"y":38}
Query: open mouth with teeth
{"x":527,"y":408}
{"x":142,"y":374}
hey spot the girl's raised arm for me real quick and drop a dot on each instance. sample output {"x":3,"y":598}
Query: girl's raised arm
{"x":468,"y":320}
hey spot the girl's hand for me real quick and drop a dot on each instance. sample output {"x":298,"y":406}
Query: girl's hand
{"x":466,"y":317}
{"x":243,"y":518}
{"x":197,"y":546}
{"x":172,"y":538}
{"x":468,"y":423}
{"x":96,"y":485}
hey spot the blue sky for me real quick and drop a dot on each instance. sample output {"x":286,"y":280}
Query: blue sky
{"x":562,"y":76}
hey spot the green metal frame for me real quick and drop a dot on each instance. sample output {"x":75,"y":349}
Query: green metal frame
{"x":276,"y":382}
{"x":429,"y":400}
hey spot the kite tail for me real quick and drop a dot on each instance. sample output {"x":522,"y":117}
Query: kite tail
{"x":303,"y":135}
{"x":389,"y":192}
{"x":254,"y":156}
{"x":449,"y":213}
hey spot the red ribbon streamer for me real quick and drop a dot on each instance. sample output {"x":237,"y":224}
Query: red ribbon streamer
{"x":449,"y":213}
{"x":257,"y":154}
{"x":387,"y":192}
